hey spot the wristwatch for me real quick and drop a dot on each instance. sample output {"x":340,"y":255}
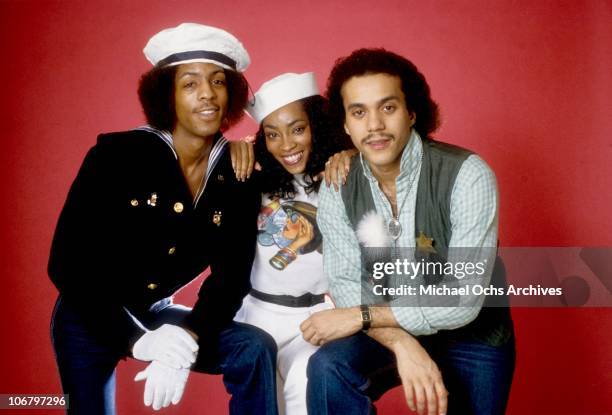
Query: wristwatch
{"x":366,"y":317}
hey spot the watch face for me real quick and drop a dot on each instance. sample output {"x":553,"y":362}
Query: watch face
{"x":365,"y":316}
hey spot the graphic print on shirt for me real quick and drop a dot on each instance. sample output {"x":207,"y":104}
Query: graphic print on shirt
{"x":292,"y":227}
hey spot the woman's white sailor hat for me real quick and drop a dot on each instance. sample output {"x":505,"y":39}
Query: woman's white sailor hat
{"x":280,"y":91}
{"x":192,"y":42}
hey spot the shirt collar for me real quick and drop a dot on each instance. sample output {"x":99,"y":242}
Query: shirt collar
{"x":217,"y":150}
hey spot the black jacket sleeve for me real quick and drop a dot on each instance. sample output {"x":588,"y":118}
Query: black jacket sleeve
{"x":82,"y":264}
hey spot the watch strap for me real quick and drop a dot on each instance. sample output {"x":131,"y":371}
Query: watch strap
{"x":366,"y":317}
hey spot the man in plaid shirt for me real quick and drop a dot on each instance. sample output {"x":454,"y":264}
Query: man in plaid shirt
{"x":405,"y":190}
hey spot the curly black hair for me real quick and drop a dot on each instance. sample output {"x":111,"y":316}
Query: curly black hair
{"x":372,"y":61}
{"x":326,"y":141}
{"x":156,"y":93}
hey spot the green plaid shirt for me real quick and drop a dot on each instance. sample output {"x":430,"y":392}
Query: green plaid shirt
{"x":473,"y":216}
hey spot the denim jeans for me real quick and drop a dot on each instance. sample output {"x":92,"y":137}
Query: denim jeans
{"x":244,"y":355}
{"x":347,"y":375}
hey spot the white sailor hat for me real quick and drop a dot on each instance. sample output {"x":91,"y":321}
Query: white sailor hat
{"x":280,"y":91}
{"x":192,"y":42}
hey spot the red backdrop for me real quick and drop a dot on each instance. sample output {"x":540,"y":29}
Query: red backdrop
{"x":526,"y":84}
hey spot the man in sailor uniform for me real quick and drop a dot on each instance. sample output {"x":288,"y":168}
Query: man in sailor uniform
{"x":149,"y":210}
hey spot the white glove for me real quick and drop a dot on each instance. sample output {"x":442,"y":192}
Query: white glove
{"x":164,"y":384}
{"x":168,"y":344}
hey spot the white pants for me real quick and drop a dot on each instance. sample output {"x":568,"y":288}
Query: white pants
{"x":283,"y":324}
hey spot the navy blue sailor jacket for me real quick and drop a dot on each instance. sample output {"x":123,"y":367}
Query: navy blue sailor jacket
{"x":130,"y":234}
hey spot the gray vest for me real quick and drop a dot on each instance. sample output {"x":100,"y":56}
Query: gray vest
{"x":439,"y":169}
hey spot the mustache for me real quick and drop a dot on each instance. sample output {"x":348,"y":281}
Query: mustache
{"x":376,"y":135}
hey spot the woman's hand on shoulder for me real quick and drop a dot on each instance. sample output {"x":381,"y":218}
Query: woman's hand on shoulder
{"x":337,"y":168}
{"x":243,"y":157}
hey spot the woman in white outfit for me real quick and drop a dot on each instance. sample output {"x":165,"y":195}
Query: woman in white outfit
{"x":293,"y":143}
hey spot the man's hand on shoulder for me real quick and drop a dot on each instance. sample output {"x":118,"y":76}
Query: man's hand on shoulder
{"x":327,"y":325}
